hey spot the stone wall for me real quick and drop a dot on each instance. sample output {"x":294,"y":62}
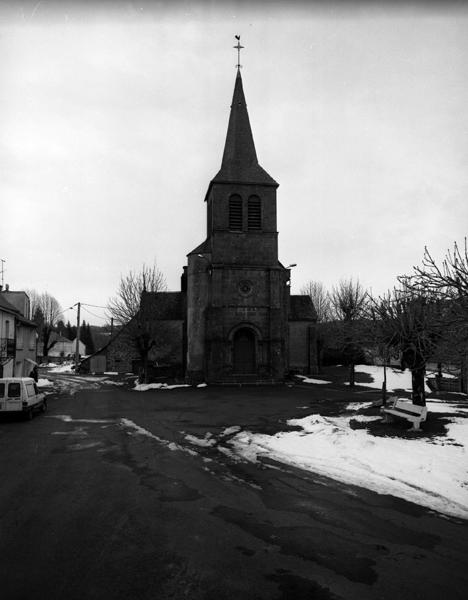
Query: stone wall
{"x":302,"y":347}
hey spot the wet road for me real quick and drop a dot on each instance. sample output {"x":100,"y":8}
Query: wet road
{"x":106,"y":497}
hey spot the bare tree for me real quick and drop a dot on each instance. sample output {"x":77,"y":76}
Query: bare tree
{"x":125,"y":305}
{"x":448,"y":281}
{"x":348,"y":301}
{"x":45,"y":312}
{"x":139,"y":306}
{"x":410,"y":322}
{"x":320,"y":299}
{"x":34,"y":301}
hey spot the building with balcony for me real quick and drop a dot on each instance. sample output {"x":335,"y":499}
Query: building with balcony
{"x":18,"y":335}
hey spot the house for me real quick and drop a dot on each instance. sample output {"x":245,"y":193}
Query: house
{"x":18,"y":335}
{"x":235,"y":321}
{"x":121,"y":354}
{"x":63,"y":348}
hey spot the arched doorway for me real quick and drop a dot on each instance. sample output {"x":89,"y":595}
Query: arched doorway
{"x":244,"y":351}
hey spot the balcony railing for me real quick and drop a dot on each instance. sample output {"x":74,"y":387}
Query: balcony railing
{"x":7,"y":348}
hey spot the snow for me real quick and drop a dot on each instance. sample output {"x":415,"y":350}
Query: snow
{"x":205,"y":442}
{"x":44,"y":383}
{"x":358,"y":405}
{"x":65,"y":368}
{"x":134,"y":429}
{"x":311,"y":380}
{"x":439,"y":406}
{"x":396,"y":379}
{"x":433,"y":473}
{"x":230,"y":430}
{"x":110,"y":373}
{"x":144,"y":387}
{"x":69,"y":419}
{"x":202,"y":385}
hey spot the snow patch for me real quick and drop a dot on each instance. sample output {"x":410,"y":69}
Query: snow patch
{"x":65,"y":368}
{"x":144,"y":387}
{"x":396,"y":379}
{"x":312,"y":380}
{"x":44,"y":383}
{"x":230,"y":430}
{"x":432,"y":474}
{"x":69,"y":419}
{"x":358,"y":405}
{"x":205,"y":442}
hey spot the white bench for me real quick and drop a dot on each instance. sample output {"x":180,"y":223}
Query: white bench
{"x":406,"y":410}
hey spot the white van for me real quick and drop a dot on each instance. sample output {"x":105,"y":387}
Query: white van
{"x":21,"y":394}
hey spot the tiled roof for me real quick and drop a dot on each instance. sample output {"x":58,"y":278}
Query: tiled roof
{"x":301,"y":308}
{"x":7,"y":306}
{"x":164,"y":305}
{"x":240,"y":164}
{"x":55,"y":337}
{"x":203,"y":248}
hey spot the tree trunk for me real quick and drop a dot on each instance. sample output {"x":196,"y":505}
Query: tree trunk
{"x":352,"y":376}
{"x":417,"y":379}
{"x":384,"y":384}
{"x":145,"y":367}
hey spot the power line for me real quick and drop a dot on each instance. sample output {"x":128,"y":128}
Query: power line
{"x":93,"y":305}
{"x":94,"y":315}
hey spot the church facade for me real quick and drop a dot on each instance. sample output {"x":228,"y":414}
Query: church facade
{"x":242,"y":323}
{"x":234,"y":320}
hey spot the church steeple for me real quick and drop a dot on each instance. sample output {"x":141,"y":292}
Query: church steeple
{"x":240,"y":163}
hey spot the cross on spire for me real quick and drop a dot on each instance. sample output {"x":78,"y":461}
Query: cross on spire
{"x":238,"y":48}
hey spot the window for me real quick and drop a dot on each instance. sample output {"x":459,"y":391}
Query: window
{"x":2,"y":390}
{"x":30,"y":389}
{"x":7,"y":329}
{"x":254,"y":216}
{"x":14,"y":390}
{"x":235,"y":213}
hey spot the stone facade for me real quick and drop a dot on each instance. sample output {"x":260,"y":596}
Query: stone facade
{"x":121,"y":354}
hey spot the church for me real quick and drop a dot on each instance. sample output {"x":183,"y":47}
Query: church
{"x":234,"y":320}
{"x":242,"y":322}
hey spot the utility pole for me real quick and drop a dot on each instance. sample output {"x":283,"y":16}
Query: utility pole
{"x":112,"y":326}
{"x":3,"y":270}
{"x":77,"y":351}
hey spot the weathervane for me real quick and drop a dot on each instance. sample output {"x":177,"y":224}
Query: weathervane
{"x":238,"y":48}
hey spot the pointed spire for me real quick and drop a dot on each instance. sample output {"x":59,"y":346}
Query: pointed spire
{"x":240,"y":162}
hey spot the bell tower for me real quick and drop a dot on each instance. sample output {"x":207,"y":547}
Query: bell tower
{"x":237,"y":291}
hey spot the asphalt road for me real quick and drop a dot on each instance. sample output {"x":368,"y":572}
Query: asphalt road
{"x":92,"y":507}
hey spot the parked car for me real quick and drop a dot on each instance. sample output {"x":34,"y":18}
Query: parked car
{"x":21,"y":395}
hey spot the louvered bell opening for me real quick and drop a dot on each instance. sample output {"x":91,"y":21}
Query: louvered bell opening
{"x":254,"y":220}
{"x":235,"y":213}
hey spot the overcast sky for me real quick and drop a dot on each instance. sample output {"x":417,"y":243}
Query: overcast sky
{"x":113,"y":118}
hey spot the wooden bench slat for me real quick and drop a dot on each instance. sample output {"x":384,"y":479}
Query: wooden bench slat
{"x":406,"y":410}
